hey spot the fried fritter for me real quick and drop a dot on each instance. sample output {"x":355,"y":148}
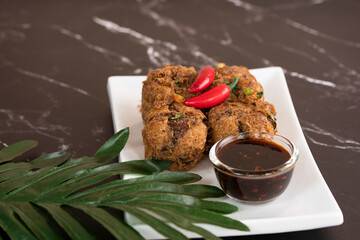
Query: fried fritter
{"x":230,"y":118}
{"x":166,"y":85}
{"x":248,"y":90}
{"x":180,"y":133}
{"x":177,"y":133}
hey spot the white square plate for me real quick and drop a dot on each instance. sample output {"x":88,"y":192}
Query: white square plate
{"x":306,"y":204}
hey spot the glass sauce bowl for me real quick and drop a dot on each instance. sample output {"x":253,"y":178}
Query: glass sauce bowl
{"x":254,"y":167}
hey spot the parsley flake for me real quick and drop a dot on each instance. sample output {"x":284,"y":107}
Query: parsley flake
{"x":273,"y":119}
{"x":248,"y":91}
{"x":177,"y":116}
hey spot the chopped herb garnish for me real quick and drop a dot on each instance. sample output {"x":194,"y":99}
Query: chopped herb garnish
{"x":272,"y":117}
{"x":260,"y":94}
{"x":216,"y":74}
{"x":177,"y":115}
{"x":176,"y":80}
{"x":248,"y":91}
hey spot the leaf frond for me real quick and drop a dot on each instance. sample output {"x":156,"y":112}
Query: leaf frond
{"x":38,"y":193}
{"x":14,"y":150}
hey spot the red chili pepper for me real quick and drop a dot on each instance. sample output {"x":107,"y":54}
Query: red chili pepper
{"x":212,"y":97}
{"x":203,"y":80}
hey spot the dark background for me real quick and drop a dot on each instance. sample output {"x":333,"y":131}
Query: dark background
{"x":56,"y":56}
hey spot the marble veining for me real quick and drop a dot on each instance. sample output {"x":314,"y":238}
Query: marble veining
{"x":310,"y":79}
{"x":4,"y":144}
{"x":53,"y":81}
{"x":54,"y":64}
{"x":331,"y":140}
{"x":247,"y":6}
{"x":256,"y":10}
{"x":17,"y":122}
{"x":319,"y":34}
{"x":297,"y":5}
{"x":158,"y":51}
{"x":347,"y":70}
{"x":181,"y":29}
{"x":339,"y":70}
{"x":106,"y":52}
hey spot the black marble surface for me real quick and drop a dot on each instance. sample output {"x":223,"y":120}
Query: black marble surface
{"x":55,"y":57}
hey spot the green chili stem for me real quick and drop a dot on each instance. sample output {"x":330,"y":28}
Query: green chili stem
{"x":233,"y":83}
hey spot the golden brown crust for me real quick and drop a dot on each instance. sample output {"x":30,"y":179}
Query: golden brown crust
{"x":247,"y":90}
{"x":180,"y":133}
{"x":177,"y":133}
{"x":164,"y":85}
{"x":231,"y":118}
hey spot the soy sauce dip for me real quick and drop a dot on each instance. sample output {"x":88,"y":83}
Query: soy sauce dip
{"x":254,"y":167}
{"x":253,"y":154}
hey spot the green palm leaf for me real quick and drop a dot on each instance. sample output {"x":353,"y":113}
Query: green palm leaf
{"x":36,"y":194}
{"x":16,"y":150}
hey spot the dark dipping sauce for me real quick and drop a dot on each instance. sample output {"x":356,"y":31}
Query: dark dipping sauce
{"x":254,"y":160}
